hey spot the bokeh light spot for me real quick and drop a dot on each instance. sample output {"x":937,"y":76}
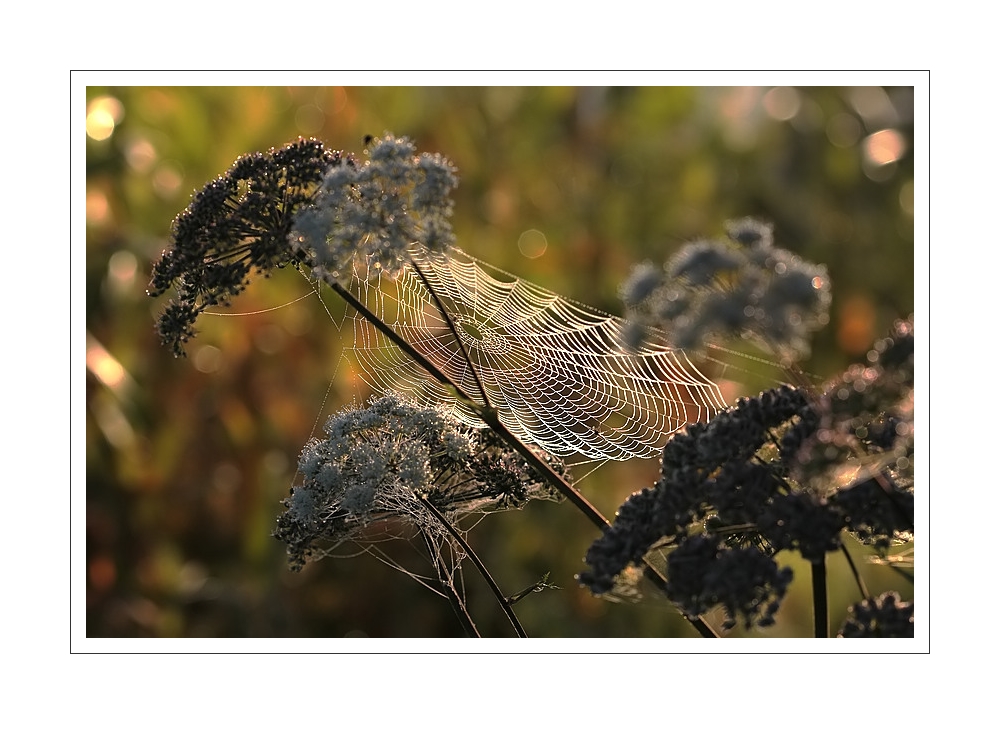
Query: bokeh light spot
{"x":843,"y":130}
{"x":208,"y":359}
{"x":270,"y":339}
{"x":122,"y":269}
{"x":331,"y":99}
{"x":872,"y":103}
{"x":532,"y":243}
{"x":309,"y":119}
{"x":782,"y":103}
{"x":97,"y":207}
{"x":103,"y":114}
{"x":167,"y":181}
{"x":140,"y":154}
{"x":122,"y":266}
{"x":499,"y":205}
{"x":884,"y":147}
{"x":856,"y":325}
{"x":103,"y":364}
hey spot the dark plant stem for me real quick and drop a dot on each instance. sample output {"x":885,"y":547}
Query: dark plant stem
{"x":854,"y":569}
{"x":457,"y":604}
{"x":538,"y":586}
{"x":492,"y":419}
{"x":454,"y":332}
{"x":501,"y":598}
{"x":820,"y":619}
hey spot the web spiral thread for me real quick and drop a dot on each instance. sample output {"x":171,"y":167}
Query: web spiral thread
{"x":558,"y":373}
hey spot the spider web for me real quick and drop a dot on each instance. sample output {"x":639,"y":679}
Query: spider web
{"x":557,"y":372}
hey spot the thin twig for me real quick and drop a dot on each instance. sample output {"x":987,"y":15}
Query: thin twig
{"x":451,"y":325}
{"x":501,"y":599}
{"x":538,"y":586}
{"x":854,"y":569}
{"x":457,"y":604}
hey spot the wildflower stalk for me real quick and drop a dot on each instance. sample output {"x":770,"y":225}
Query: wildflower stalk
{"x":487,"y":414}
{"x":457,"y":604}
{"x":821,"y":627}
{"x":501,"y":598}
{"x":854,"y":571}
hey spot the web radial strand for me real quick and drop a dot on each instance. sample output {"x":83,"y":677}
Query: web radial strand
{"x":557,"y":372}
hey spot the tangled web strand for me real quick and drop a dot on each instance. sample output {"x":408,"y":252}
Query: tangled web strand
{"x":557,"y":372}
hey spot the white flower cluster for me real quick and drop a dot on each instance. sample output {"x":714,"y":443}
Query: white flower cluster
{"x":381,"y":462}
{"x":365,"y":216}
{"x":745,"y":288}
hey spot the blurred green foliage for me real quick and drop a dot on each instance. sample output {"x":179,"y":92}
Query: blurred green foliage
{"x":187,"y":460}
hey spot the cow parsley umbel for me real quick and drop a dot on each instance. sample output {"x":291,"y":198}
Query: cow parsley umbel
{"x":237,"y":225}
{"x":383,"y":464}
{"x":372,"y":212}
{"x":885,"y":617}
{"x":744,"y":288}
{"x":301,"y":204}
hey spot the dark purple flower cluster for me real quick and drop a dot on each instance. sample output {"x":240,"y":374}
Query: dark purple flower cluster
{"x":709,"y":470}
{"x":747,"y":583}
{"x":767,"y":476}
{"x":885,"y":616}
{"x":238,"y":224}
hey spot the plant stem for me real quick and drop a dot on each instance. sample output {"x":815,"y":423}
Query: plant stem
{"x":457,"y":604}
{"x":854,"y":569}
{"x":454,"y":332}
{"x":820,"y":619}
{"x":501,"y":598}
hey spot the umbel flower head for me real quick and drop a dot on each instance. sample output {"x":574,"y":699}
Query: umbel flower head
{"x":367,"y":215}
{"x":784,"y":471}
{"x":745,"y":288}
{"x":236,"y":225}
{"x":886,"y":616}
{"x":378,"y":465}
{"x":303,"y":204}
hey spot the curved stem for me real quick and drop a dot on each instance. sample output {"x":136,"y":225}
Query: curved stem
{"x":457,"y":604}
{"x":854,"y":569}
{"x":501,"y":598}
